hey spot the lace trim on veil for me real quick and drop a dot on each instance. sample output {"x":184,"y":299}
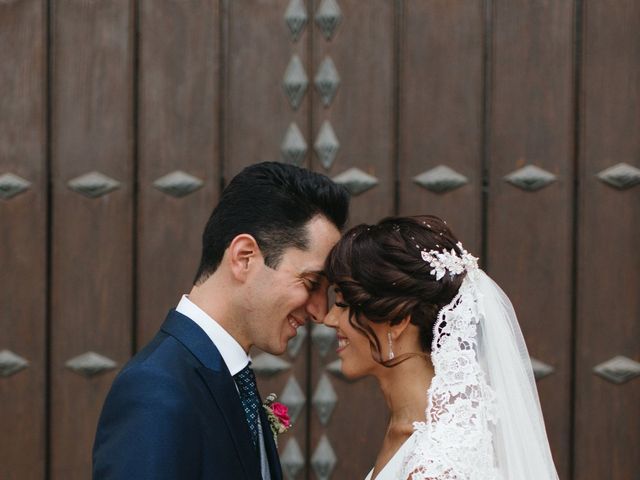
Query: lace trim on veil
{"x":455,"y":441}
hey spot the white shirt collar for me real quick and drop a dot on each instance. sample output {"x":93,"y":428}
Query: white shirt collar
{"x":232,"y":353}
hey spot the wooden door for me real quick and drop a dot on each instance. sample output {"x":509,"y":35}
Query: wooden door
{"x":122,"y":120}
{"x":24,"y":229}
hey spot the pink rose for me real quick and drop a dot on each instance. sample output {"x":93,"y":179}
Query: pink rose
{"x":282,"y":413}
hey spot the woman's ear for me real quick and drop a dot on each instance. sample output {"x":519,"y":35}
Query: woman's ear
{"x":243,"y":255}
{"x":398,"y":329}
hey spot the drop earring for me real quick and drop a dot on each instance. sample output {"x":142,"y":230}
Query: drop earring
{"x":390,"y":341}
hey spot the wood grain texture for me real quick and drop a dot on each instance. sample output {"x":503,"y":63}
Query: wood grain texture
{"x":178,"y":131}
{"x":257,"y":112}
{"x":441,"y":98}
{"x":362,"y":116}
{"x":362,"y":111}
{"x":530,"y":233}
{"x":92,"y":130}
{"x":23,"y":238}
{"x":608,"y":415}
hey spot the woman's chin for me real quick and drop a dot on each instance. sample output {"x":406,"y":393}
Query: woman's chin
{"x":350,"y":373}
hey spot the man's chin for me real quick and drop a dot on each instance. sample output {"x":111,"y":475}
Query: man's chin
{"x":275,"y":349}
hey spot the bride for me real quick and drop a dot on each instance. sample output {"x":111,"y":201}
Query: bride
{"x":414,"y":310}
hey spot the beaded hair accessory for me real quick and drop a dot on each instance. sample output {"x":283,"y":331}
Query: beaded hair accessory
{"x":443,"y":262}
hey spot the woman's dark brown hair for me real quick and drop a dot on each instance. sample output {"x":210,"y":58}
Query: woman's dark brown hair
{"x":381,"y":275}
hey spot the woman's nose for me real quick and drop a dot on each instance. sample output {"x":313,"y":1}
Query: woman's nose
{"x":330,"y":319}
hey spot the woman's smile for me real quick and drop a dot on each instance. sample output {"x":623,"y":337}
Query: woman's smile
{"x":343,"y":342}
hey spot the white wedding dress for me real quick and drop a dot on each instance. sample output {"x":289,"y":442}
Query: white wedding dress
{"x":393,"y":469}
{"x":483,"y":419}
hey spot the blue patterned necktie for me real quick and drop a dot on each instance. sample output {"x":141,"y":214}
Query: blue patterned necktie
{"x":246,"y":382}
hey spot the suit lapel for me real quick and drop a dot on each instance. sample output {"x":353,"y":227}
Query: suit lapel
{"x":220,"y":384}
{"x":270,"y":446}
{"x":224,"y":393}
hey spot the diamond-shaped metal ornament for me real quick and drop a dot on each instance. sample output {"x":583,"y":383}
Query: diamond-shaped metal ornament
{"x":541,"y":369}
{"x":296,"y":342}
{"x":621,"y":176}
{"x":324,"y":459}
{"x":356,"y":181}
{"x":293,"y":397}
{"x":619,"y":369}
{"x":323,"y":338}
{"x":530,"y":178}
{"x":327,"y":81}
{"x":93,"y":184}
{"x":178,"y":184}
{"x":295,"y":81}
{"x":328,"y":17}
{"x":268,"y":365}
{"x":12,"y":185}
{"x":90,"y":364}
{"x":296,"y":18}
{"x":293,"y":147}
{"x":11,"y":363}
{"x":324,"y":399}
{"x":440,"y":179}
{"x":326,"y":145}
{"x":292,"y":459}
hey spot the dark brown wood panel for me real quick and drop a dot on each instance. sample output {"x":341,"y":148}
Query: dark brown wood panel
{"x":257,"y":111}
{"x":607,"y":430}
{"x":23,"y":238}
{"x":92,"y":128}
{"x":362,"y":115}
{"x":441,"y":99}
{"x":530,"y":232}
{"x":178,"y":135}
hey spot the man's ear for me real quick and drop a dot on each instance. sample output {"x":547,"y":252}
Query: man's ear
{"x":243,"y":255}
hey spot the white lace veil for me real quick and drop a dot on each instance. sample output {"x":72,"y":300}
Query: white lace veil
{"x":483,"y":419}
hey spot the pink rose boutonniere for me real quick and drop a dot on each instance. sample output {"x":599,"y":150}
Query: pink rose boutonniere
{"x":278,"y":416}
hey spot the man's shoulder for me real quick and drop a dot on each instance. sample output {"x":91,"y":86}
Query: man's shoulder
{"x":162,"y":356}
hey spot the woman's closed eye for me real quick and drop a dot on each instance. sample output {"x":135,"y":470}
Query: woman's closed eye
{"x":339,"y":300}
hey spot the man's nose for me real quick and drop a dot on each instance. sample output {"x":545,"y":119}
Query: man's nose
{"x":317,"y":307}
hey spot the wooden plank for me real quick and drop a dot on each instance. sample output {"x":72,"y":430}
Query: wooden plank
{"x":362,"y":117}
{"x":23,"y":238}
{"x":361,"y":113}
{"x":441,"y":111}
{"x":530,"y":232}
{"x":257,"y":115}
{"x":257,"y":111}
{"x":92,"y":237}
{"x":609,"y":235}
{"x":178,"y":132}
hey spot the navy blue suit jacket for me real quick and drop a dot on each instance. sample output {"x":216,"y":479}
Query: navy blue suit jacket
{"x":174,"y":412}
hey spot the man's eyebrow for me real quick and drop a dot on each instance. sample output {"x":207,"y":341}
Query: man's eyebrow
{"x":314,"y":272}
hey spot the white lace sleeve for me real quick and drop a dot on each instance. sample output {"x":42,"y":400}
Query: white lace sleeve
{"x":455,"y":441}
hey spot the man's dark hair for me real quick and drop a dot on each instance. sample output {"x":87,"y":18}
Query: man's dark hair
{"x":272,"y":202}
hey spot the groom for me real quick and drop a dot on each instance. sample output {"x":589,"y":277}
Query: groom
{"x":186,"y":407}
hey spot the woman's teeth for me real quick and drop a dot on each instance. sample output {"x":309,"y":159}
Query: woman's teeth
{"x":293,"y":323}
{"x":342,"y":342}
